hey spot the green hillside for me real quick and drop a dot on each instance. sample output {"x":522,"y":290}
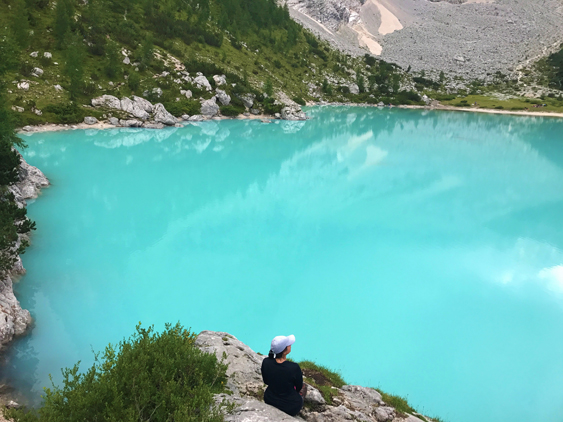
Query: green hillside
{"x":253,"y":42}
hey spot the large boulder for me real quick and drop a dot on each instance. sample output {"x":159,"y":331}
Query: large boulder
{"x":220,"y":80}
{"x":108,"y":101}
{"x":244,"y":375}
{"x":223,"y":97}
{"x":37,"y":72}
{"x":23,"y":85}
{"x":209,"y":108}
{"x":354,"y":88}
{"x":143,"y":103}
{"x":247,"y":100}
{"x":161,"y":115}
{"x":293,"y":112}
{"x":89,"y":120}
{"x":202,"y":82}
{"x":133,"y":108}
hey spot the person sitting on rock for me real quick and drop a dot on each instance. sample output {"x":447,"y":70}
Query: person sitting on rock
{"x":283,"y":378}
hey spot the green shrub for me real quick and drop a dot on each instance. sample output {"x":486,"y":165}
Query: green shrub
{"x":499,"y":107}
{"x":66,"y":112}
{"x":299,"y":100}
{"x":230,"y":110}
{"x":150,"y":376}
{"x":134,"y":81}
{"x":270,"y":107}
{"x":178,"y":108}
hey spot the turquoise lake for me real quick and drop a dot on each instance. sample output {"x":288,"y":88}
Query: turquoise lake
{"x":416,"y":251}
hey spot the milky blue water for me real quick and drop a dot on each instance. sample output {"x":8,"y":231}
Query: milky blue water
{"x":420,"y":252}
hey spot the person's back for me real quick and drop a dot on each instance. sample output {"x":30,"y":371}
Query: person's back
{"x":283,"y":378}
{"x":284,"y":381}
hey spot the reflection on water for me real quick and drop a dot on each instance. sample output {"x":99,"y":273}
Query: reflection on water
{"x":429,"y":243}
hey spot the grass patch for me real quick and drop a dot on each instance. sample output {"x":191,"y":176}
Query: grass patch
{"x":323,"y":379}
{"x":521,"y":103}
{"x":399,"y":403}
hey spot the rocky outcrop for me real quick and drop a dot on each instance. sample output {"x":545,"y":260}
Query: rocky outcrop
{"x":351,"y":402}
{"x":134,"y":108}
{"x":293,"y":112}
{"x":13,"y":319}
{"x":488,"y":36}
{"x":223,"y":97}
{"x":138,"y":108}
{"x":209,"y":108}
{"x":89,"y":120}
{"x":202,"y":83}
{"x":161,"y":115}
{"x":247,"y":100}
{"x":108,"y":101}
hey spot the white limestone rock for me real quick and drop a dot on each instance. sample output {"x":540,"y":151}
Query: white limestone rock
{"x":34,"y":54}
{"x":113,"y":121}
{"x":37,"y":72}
{"x":251,"y":410}
{"x":58,"y":87}
{"x":18,"y":109}
{"x":108,"y":101}
{"x":47,"y":55}
{"x":126,"y":60}
{"x":354,"y":88}
{"x":161,"y":115}
{"x":293,"y":113}
{"x":384,"y":413}
{"x":89,"y":120}
{"x":13,"y":319}
{"x":243,"y":372}
{"x":209,"y":108}
{"x":247,"y":100}
{"x":202,"y":82}
{"x":23,"y":85}
{"x":143,"y":103}
{"x":220,"y":80}
{"x":314,"y":396}
{"x":134,"y":109}
{"x":196,"y":118}
{"x":223,"y":97}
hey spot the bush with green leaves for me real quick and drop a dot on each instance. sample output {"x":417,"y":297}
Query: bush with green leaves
{"x":150,"y":376}
{"x":231,"y":110}
{"x":178,"y":108}
{"x":66,"y":112}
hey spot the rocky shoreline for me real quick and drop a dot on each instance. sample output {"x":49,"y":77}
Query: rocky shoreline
{"x":14,"y":321}
{"x":351,"y":402}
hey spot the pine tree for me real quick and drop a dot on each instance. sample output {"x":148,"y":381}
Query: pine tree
{"x":20,"y":24}
{"x":112,"y":59}
{"x":74,"y":67}
{"x":62,"y":24}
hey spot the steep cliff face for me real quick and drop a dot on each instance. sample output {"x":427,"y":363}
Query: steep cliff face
{"x":469,"y":38}
{"x":13,"y":319}
{"x":331,"y":13}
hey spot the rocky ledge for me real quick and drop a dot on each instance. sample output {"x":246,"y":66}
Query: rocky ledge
{"x":351,"y":402}
{"x":13,"y":319}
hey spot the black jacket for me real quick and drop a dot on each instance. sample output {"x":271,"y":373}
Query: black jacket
{"x":284,"y":381}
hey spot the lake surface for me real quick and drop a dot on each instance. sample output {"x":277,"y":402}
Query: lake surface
{"x":420,"y":252}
